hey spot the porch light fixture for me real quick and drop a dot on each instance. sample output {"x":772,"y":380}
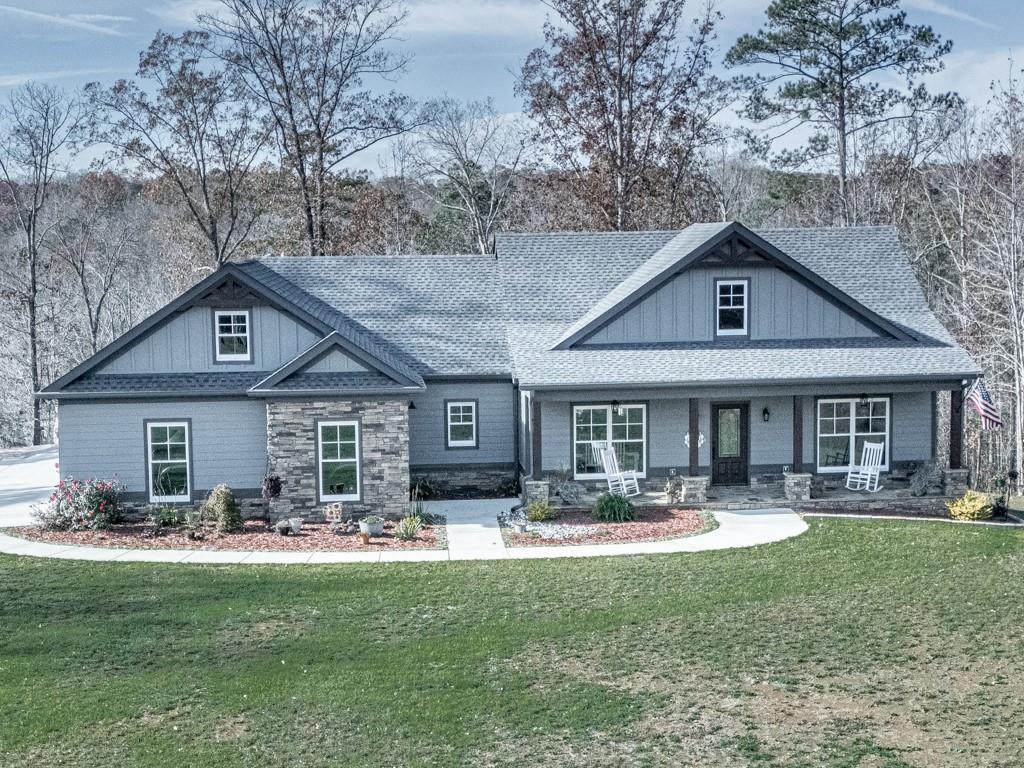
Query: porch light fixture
{"x":863,"y":400}
{"x":766,"y":414}
{"x":412,"y":406}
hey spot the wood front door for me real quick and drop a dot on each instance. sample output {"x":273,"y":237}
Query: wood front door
{"x":730,"y":443}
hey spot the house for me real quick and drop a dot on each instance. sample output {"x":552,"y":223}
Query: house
{"x":714,"y":352}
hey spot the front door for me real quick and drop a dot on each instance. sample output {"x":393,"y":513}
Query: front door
{"x":730,"y":431}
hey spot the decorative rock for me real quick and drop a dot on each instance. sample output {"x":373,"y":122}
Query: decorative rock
{"x":797,"y":486}
{"x":571,"y":493}
{"x":283,"y":527}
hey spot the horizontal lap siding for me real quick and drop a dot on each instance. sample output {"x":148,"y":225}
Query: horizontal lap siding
{"x":106,"y":440}
{"x":495,"y":424}
{"x":184,"y":344}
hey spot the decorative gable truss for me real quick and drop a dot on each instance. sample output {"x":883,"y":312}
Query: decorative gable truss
{"x":673,"y":297}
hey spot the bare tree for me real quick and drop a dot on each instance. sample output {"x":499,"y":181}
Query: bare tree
{"x":617,"y":95}
{"x":306,"y":63}
{"x":198,"y":129}
{"x":471,"y":155}
{"x":41,"y":126}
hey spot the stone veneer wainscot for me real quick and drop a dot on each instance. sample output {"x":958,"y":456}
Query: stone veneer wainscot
{"x":384,"y":448}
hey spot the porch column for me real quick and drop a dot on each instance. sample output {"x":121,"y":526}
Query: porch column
{"x":694,"y":437}
{"x":798,"y":433}
{"x":536,"y":464}
{"x":956,"y":429}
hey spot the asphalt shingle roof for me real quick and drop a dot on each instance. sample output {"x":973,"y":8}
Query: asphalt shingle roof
{"x":554,"y":280}
{"x":200,"y":383}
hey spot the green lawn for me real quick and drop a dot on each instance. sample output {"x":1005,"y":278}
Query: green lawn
{"x":861,"y":644}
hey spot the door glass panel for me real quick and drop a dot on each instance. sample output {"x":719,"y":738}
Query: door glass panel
{"x":728,"y":433}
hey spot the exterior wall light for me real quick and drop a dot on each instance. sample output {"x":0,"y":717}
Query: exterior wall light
{"x":766,"y":414}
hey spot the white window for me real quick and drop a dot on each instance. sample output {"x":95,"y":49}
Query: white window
{"x":594,"y":425}
{"x":460,"y":424}
{"x":338,"y":452}
{"x":731,"y":307}
{"x":167,"y":446}
{"x":845,"y":424}
{"x":232,"y":331}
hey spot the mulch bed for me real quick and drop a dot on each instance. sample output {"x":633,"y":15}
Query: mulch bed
{"x":256,"y":538}
{"x":652,"y":524}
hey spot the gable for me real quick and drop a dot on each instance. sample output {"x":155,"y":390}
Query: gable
{"x":185,"y":343}
{"x":664,"y":299}
{"x":781,"y":307}
{"x":335,"y":361}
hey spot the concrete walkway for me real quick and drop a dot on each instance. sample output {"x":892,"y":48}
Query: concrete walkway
{"x":27,"y":477}
{"x":473,"y":534}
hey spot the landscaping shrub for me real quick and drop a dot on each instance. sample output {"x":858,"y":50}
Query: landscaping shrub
{"x":220,"y":506}
{"x":408,"y":528}
{"x":195,"y":522}
{"x":973,"y":505}
{"x":81,"y":505}
{"x":167,"y":517}
{"x":271,"y":487}
{"x":613,"y":509}
{"x":539,"y":511}
{"x":571,"y":493}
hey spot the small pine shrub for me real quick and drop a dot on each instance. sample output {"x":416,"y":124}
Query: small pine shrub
{"x":571,"y":493}
{"x":540,"y":511}
{"x":973,"y":505}
{"x":221,"y":507}
{"x":408,"y":528}
{"x":613,"y":509}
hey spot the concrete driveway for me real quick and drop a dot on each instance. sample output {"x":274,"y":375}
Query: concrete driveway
{"x":27,"y":477}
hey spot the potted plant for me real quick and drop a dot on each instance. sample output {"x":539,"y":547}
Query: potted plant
{"x":372,"y":525}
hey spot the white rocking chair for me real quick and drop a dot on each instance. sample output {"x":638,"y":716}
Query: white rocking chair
{"x":619,"y":483}
{"x":864,"y":477}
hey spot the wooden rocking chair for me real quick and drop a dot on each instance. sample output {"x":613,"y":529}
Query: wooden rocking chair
{"x":619,"y":483}
{"x":864,"y":477}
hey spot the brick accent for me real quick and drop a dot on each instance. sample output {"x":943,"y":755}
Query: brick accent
{"x":695,"y":488}
{"x":252,"y":508}
{"x":465,"y":480}
{"x":384,"y":438}
{"x":535,"y":490}
{"x":955,"y":482}
{"x":797,"y":486}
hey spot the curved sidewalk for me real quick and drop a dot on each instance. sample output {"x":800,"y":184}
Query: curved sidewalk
{"x":473,"y":534}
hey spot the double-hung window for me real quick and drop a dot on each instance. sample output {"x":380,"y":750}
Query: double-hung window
{"x":732,"y":302}
{"x":338,"y":459}
{"x":845,"y":424}
{"x":625,"y":426}
{"x":460,"y":424}
{"x":167,"y":449}
{"x":233,"y":342}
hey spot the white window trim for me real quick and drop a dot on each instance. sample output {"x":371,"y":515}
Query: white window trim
{"x":471,"y":443}
{"x":320,"y":461}
{"x":188,"y":460}
{"x":853,"y":458}
{"x":608,"y":408}
{"x":719,"y":331}
{"x":232,"y":358}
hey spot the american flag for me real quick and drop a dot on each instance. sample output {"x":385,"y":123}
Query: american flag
{"x":981,"y":401}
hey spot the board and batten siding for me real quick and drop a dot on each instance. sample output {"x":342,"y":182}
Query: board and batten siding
{"x":107,"y":440}
{"x":184,"y":344}
{"x":771,"y":442}
{"x":683,"y":310}
{"x":496,"y":433}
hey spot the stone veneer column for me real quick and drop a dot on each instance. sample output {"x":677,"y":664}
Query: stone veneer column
{"x":384,"y":449}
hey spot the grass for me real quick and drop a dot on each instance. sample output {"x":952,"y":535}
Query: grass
{"x":861,"y":644}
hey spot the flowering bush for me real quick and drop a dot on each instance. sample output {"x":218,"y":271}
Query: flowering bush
{"x":80,"y":505}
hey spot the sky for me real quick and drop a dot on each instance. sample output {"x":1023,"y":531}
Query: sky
{"x":467,"y":49}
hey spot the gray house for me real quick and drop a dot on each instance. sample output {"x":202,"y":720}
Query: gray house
{"x":713,"y":351}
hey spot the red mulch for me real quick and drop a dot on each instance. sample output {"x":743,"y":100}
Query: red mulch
{"x":652,"y":523}
{"x":255,"y":537}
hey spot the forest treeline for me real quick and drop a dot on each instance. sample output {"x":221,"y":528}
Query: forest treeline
{"x":237,"y":138}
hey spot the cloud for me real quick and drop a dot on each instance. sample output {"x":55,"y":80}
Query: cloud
{"x":182,"y":13}
{"x":506,"y":18}
{"x":54,"y":20}
{"x":941,"y":9}
{"x":16,"y":79}
{"x":971,"y":72}
{"x":98,"y":17}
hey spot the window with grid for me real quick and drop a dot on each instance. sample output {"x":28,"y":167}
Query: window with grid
{"x":461,"y":424}
{"x":233,"y":336}
{"x":594,"y":425}
{"x":844,"y":425}
{"x":167,"y":451}
{"x":338,"y":450}
{"x":732,"y":308}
